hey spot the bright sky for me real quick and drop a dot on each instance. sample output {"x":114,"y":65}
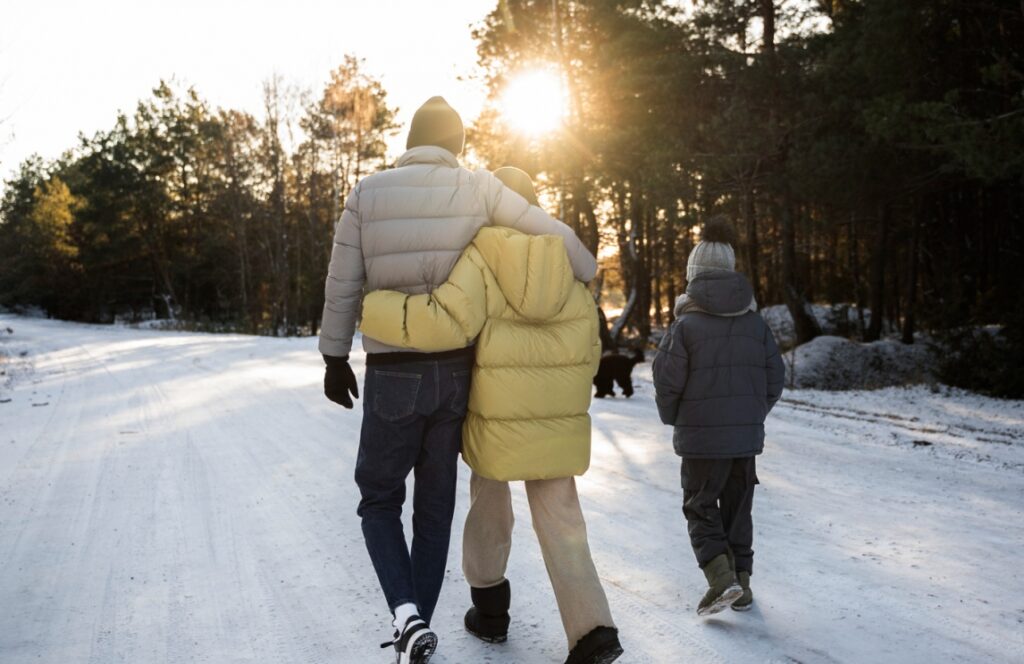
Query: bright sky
{"x":69,"y":66}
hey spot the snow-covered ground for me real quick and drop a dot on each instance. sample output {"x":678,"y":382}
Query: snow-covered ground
{"x":174,"y":497}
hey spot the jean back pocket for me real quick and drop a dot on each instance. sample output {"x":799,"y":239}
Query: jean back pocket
{"x":460,"y":393}
{"x":395,"y":394}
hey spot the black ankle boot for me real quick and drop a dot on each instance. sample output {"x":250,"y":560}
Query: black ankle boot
{"x":488,"y":619}
{"x":600,"y":646}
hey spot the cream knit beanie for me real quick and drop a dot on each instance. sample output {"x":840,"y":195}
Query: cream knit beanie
{"x":714,"y":252}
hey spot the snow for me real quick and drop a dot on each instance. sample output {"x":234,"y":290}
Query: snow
{"x":835,"y":363}
{"x":181,"y":497}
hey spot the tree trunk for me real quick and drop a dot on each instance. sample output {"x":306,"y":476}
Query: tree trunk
{"x":908,"y":320}
{"x":854,"y":255}
{"x":656,"y":288}
{"x":833,"y":269}
{"x":767,"y":8}
{"x":629,"y":257}
{"x":643,"y":282}
{"x":280,"y":243}
{"x":583,"y":210}
{"x":750,"y":215}
{"x":621,"y":322}
{"x":672,"y":269}
{"x":607,"y":344}
{"x":804,"y":324}
{"x":874,"y":332}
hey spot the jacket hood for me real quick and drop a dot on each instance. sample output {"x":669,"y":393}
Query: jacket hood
{"x":428,"y":154}
{"x":533,"y":271}
{"x":719,"y":293}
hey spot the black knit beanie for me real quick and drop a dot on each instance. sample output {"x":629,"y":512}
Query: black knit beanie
{"x":519,"y":182}
{"x":437,"y":123}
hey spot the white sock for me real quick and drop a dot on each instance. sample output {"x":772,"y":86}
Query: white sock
{"x":402,"y":614}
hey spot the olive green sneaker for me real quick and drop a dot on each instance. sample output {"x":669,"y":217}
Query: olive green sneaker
{"x":723,"y":589}
{"x":746,"y":600}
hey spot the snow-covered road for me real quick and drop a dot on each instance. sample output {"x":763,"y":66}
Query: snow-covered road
{"x":172,"y":497}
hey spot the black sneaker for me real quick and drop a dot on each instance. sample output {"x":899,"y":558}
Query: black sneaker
{"x":599,"y":646}
{"x":416,"y":643}
{"x":488,"y":618}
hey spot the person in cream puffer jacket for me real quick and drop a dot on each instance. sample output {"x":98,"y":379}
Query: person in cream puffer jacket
{"x":537,"y":350}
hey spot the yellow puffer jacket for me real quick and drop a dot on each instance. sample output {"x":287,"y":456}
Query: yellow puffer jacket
{"x":536,"y":355}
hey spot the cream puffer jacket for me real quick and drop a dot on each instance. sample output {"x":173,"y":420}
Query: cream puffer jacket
{"x":404,"y":228}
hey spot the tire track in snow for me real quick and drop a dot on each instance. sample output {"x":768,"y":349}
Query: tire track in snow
{"x":999,"y":436}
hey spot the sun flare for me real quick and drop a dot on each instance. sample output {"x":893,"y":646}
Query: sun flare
{"x":534,"y":102}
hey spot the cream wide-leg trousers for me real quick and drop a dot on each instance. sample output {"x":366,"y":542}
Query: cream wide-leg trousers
{"x":558,"y":522}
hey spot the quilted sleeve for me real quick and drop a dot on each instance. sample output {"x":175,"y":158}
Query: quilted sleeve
{"x":343,"y":290}
{"x":671,"y":369}
{"x":449,"y":318}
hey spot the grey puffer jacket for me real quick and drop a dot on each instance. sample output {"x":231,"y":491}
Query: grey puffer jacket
{"x":404,"y":228}
{"x":718,"y":372}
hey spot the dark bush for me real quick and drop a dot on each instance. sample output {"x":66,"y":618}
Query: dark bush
{"x":986,"y":360}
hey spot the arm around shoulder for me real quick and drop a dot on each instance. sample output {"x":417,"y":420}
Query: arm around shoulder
{"x":449,"y":318}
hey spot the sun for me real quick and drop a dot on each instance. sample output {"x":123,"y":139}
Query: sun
{"x":534,"y":102}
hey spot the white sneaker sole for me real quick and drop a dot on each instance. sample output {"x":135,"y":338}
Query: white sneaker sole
{"x":420,"y":649}
{"x":731,"y":594}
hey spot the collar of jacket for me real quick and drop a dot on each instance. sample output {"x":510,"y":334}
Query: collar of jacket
{"x":428,"y":154}
{"x":686,"y":304}
{"x":719,"y":293}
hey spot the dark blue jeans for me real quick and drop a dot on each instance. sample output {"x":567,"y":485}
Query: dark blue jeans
{"x":412,"y":422}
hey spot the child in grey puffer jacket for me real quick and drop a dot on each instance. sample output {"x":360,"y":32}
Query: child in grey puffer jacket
{"x":717,"y":375}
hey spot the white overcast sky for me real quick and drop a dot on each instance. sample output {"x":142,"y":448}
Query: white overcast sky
{"x":69,"y":66}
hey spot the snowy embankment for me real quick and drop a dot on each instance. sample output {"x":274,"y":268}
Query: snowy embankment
{"x":834,"y":362}
{"x":174,"y":497}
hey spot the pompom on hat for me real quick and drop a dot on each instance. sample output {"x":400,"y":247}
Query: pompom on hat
{"x":714,"y":252}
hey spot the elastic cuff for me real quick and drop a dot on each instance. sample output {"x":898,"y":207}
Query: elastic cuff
{"x":503,"y":581}
{"x":704,"y":563}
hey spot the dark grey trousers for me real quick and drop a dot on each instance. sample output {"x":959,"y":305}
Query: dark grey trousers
{"x":718,"y":495}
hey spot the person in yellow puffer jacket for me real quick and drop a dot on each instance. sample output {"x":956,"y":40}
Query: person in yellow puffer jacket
{"x":537,"y":350}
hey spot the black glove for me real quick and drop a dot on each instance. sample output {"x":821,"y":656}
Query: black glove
{"x":339,"y":381}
